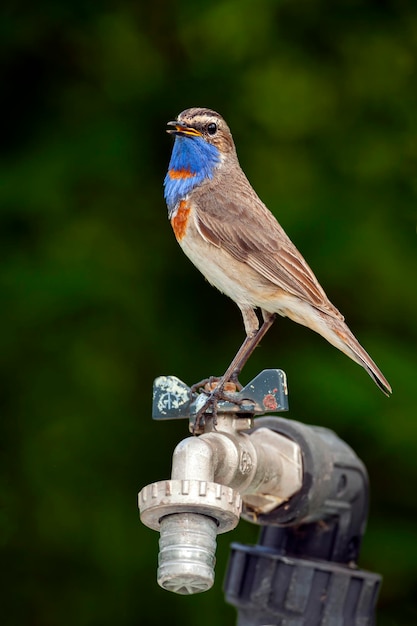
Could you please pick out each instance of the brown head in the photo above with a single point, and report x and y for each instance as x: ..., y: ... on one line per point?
x: 207, y: 124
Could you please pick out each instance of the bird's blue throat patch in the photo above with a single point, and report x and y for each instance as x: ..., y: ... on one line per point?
x: 193, y: 160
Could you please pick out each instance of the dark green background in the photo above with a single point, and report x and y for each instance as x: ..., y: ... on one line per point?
x: 98, y: 299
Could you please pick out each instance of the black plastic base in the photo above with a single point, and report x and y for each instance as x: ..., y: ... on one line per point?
x: 272, y: 589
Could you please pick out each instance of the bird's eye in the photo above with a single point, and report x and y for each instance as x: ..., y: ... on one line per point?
x: 212, y: 128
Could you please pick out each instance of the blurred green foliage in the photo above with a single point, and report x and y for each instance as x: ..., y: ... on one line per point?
x: 98, y: 299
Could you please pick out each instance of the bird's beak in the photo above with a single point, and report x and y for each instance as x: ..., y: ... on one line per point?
x: 182, y: 129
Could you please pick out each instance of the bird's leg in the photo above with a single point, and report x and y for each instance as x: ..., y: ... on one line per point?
x: 254, y: 336
x: 247, y: 347
x: 251, y: 323
x: 243, y: 354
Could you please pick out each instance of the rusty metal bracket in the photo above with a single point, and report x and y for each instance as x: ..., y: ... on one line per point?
x: 266, y: 393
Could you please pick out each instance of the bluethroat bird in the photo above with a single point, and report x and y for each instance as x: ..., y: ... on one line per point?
x: 238, y: 245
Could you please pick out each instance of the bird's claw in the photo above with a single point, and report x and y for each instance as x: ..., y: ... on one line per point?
x: 203, y: 386
x: 222, y: 391
x: 208, y: 385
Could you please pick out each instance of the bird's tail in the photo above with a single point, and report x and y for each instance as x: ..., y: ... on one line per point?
x: 338, y: 334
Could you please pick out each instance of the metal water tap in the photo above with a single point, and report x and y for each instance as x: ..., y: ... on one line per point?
x: 227, y: 471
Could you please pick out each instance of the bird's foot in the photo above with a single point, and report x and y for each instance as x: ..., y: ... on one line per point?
x: 216, y: 390
x: 207, y: 385
x: 204, y: 386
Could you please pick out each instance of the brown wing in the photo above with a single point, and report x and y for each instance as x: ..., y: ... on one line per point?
x: 236, y: 220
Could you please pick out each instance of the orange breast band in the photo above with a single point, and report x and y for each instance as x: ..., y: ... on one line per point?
x: 182, y: 173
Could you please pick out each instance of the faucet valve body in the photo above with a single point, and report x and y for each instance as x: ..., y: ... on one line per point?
x: 215, y: 474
